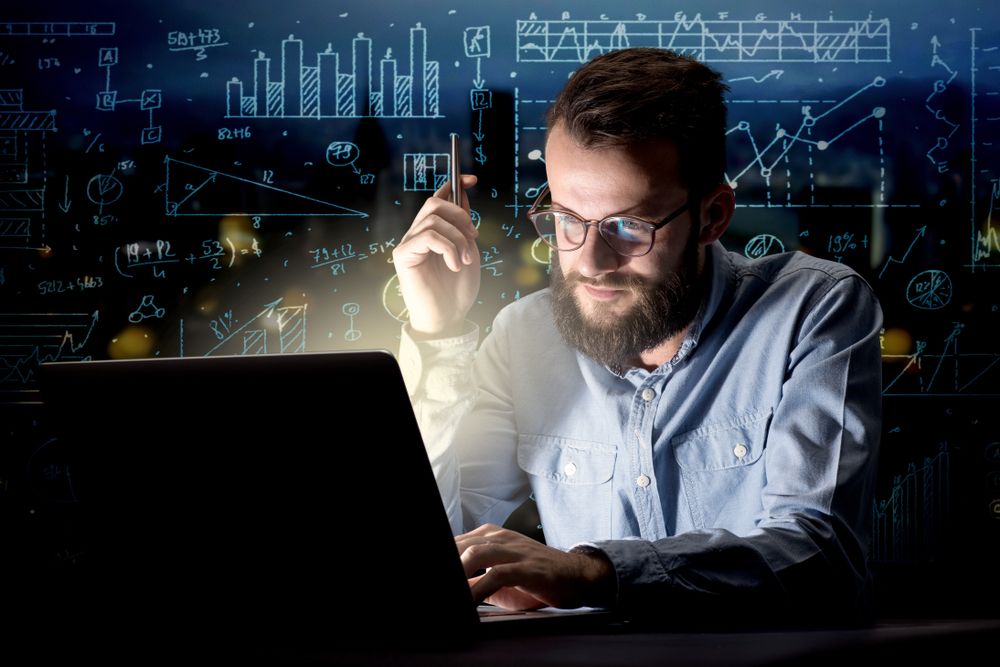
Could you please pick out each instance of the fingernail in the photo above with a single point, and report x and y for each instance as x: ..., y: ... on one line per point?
x: 466, y: 257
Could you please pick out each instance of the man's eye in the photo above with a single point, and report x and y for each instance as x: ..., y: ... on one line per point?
x: 626, y: 227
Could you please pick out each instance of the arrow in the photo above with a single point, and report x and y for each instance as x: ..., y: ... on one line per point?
x: 935, y: 43
x: 478, y: 134
x: 920, y: 233
x: 479, y: 81
x: 776, y: 73
x: 64, y: 207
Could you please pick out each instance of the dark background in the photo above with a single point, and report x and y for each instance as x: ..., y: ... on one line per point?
x: 144, y: 212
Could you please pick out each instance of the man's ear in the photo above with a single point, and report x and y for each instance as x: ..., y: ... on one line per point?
x: 717, y: 209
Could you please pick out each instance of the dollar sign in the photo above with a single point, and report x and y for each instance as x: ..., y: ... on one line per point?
x: 480, y: 158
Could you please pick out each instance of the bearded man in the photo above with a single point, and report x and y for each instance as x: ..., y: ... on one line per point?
x: 699, y: 430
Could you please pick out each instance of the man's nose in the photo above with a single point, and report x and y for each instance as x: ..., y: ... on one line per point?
x: 595, y: 257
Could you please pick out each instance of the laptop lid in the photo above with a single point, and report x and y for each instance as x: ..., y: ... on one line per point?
x: 280, y: 500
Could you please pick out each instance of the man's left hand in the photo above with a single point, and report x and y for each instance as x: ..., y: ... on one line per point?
x: 522, y: 573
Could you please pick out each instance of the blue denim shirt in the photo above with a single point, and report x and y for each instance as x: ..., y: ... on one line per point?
x: 744, y: 465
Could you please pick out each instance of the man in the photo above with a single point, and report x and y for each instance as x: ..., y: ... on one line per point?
x: 699, y: 430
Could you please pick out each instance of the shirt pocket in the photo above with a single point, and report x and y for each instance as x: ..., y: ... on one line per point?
x: 721, y: 470
x: 571, y: 482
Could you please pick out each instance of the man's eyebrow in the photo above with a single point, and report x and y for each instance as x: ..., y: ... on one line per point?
x: 641, y: 209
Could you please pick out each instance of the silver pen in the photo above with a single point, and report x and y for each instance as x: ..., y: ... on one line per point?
x: 456, y: 175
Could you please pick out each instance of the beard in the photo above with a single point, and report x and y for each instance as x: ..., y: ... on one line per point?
x: 661, y: 310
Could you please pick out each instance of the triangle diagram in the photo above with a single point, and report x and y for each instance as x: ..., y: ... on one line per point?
x: 193, y: 190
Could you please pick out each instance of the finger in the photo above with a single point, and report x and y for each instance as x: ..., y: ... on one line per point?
x: 455, y: 215
x: 429, y: 241
x: 467, y: 181
x: 487, y: 529
x: 411, y: 242
x: 484, y: 556
x: 496, y: 578
x: 485, y: 533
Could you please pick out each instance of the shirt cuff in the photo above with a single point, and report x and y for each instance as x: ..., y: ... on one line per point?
x: 437, y: 366
x: 637, y: 565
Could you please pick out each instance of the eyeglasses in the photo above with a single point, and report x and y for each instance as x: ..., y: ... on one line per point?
x: 626, y: 235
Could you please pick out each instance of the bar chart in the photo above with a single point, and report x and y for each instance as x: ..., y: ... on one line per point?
x: 291, y: 88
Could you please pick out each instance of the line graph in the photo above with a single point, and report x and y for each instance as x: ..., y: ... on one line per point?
x: 30, y: 339
x: 789, y: 160
x: 712, y: 41
x: 986, y: 241
x: 984, y: 121
x: 892, y: 260
x: 947, y: 373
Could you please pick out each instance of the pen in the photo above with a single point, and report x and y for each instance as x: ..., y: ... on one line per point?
x: 455, y: 176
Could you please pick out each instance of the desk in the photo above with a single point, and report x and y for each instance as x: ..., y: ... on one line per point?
x: 924, y: 642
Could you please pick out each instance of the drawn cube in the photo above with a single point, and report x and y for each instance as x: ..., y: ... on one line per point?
x: 152, y: 135
x: 107, y: 56
x: 477, y: 41
x: 150, y: 99
x: 480, y: 99
x: 106, y: 100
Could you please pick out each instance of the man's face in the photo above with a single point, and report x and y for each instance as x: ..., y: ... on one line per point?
x: 610, y: 306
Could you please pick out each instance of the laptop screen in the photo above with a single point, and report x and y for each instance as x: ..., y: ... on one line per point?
x: 262, y: 498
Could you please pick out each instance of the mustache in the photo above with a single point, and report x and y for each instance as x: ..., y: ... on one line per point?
x: 610, y: 281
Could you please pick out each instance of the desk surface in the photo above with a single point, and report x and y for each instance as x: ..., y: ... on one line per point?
x: 952, y: 642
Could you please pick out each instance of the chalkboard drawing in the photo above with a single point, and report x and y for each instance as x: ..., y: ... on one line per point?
x: 763, y: 244
x: 58, y: 28
x: 425, y: 172
x: 929, y: 290
x: 191, y: 189
x: 321, y: 90
x: 722, y: 41
x: 908, y: 524
x: 986, y: 243
x: 949, y: 373
x: 257, y: 335
x: 146, y: 310
x: 22, y: 175
x: 892, y: 260
x: 351, y: 309
x: 104, y: 189
x: 345, y: 154
x: 476, y: 40
x: 392, y: 300
x: 30, y: 339
x: 984, y: 100
x: 774, y: 148
x: 940, y: 86
x: 148, y: 100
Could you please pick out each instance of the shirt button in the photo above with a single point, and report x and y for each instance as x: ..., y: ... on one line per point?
x: 642, y: 481
x: 740, y: 450
x: 648, y: 394
x: 570, y: 469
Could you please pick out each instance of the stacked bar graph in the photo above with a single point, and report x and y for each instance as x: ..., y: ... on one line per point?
x: 369, y: 86
x: 909, y: 524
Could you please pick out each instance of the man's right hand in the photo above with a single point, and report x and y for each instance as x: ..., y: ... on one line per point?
x: 437, y: 262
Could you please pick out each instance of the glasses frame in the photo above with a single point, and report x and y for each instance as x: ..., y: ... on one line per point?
x: 587, y: 224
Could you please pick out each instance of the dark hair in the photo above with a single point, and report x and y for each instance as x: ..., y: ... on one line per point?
x: 627, y: 96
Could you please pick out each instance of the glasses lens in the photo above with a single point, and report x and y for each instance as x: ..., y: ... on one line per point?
x: 627, y: 236
x: 559, y: 230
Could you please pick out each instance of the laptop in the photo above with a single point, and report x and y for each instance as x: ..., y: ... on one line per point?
x: 274, y: 500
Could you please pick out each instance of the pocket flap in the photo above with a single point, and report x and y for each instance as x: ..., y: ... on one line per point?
x: 566, y: 460
x: 723, y: 445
